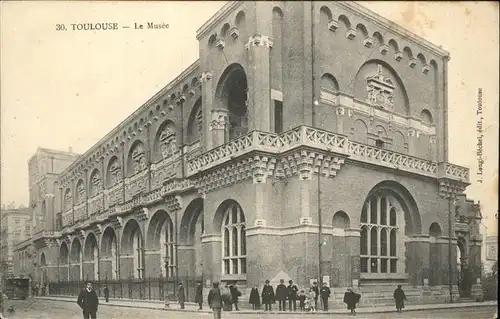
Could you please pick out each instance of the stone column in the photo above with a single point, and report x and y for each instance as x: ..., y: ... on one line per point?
x: 259, y: 94
x: 417, y: 259
x: 212, y: 254
x: 353, y: 262
x: 207, y: 104
x: 219, y: 127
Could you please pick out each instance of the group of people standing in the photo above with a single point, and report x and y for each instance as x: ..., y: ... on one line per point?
x: 307, y: 300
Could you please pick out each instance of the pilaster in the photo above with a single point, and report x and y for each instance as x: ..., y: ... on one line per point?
x: 258, y: 47
x: 207, y: 103
x: 219, y: 126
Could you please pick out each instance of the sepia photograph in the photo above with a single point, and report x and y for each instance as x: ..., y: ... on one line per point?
x: 249, y: 159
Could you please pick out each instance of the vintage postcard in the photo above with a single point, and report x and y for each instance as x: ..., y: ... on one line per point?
x: 232, y: 159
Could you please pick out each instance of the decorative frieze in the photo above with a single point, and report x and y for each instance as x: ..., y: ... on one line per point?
x: 259, y: 40
x: 206, y: 76
x: 380, y: 90
x: 220, y: 119
x: 136, y: 184
x: 174, y: 203
x: 449, y: 189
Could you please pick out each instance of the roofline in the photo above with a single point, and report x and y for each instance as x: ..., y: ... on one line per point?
x: 217, y: 17
x: 394, y: 27
x: 123, y: 123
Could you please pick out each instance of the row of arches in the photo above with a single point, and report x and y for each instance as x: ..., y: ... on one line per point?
x: 138, y: 158
x: 345, y: 24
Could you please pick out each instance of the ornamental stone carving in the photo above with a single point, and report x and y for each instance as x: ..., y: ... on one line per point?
x: 260, y: 41
x: 380, y: 90
x: 115, y: 173
x: 95, y: 184
x: 80, y: 191
x: 168, y: 142
x: 139, y: 159
x: 220, y: 119
x: 206, y: 76
x: 68, y: 199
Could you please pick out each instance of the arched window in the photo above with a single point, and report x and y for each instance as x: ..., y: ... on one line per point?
x: 378, y: 250
x: 233, y: 233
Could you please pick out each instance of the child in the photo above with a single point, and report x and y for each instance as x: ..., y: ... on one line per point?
x: 311, y: 296
x: 302, y: 300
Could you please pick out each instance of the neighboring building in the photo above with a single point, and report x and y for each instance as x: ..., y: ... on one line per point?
x: 15, y: 227
x: 216, y: 176
x: 491, y: 252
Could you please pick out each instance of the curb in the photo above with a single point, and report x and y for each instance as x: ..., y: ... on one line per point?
x: 363, y: 310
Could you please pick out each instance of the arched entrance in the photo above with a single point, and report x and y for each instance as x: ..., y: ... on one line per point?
x: 43, y: 270
x: 132, y: 258
x: 192, y: 228
x: 64, y: 262
x: 388, y: 216
x: 232, y: 92
x: 161, y: 239
x: 109, y: 255
x: 91, y: 258
x: 76, y: 269
x: 341, y: 253
x: 435, y: 258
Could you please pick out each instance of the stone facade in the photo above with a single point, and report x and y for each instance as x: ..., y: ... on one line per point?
x: 224, y: 173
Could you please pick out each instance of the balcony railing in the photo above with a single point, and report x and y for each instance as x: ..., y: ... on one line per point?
x: 135, y: 190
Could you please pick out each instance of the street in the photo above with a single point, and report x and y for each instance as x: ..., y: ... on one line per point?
x: 44, y: 309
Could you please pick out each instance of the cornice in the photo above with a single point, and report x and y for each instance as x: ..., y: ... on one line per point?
x: 393, y: 27
x: 223, y: 12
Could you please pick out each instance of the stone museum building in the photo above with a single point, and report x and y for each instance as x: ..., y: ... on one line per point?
x: 308, y: 142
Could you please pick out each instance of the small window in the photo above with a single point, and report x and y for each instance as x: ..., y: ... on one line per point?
x: 379, y: 143
x: 278, y: 116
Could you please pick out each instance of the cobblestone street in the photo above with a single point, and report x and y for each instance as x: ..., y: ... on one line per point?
x: 45, y: 309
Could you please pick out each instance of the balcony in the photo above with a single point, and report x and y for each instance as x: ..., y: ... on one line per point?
x: 113, y: 195
x: 96, y: 204
x: 67, y: 218
x: 137, y: 184
x: 81, y: 211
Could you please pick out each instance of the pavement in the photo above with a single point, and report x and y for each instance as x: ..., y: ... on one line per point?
x: 191, y: 307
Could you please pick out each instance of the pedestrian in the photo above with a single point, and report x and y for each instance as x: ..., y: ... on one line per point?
x: 215, y: 300
x: 198, y: 298
x: 88, y: 301
x: 281, y: 295
x: 292, y: 291
x: 254, y: 298
x: 106, y: 293
x: 399, y: 297
x: 227, y: 298
x: 302, y: 300
x: 311, y: 300
x: 316, y: 292
x: 325, y: 294
x: 235, y: 294
x: 181, y: 296
x: 351, y: 299
x: 268, y: 295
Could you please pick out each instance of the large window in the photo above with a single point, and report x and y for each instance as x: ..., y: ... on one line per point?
x: 379, y: 236
x: 234, y: 242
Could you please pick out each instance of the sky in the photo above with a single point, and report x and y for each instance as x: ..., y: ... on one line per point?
x: 62, y: 89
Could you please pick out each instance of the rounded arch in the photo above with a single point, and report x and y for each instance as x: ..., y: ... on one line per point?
x: 90, y: 247
x: 277, y: 12
x: 405, y: 200
x: 326, y: 12
x: 362, y: 30
x: 422, y: 59
x: 231, y: 92
x: 43, y: 260
x: 95, y: 185
x: 79, y: 191
x: 221, y: 211
x: 341, y: 220
x: 426, y: 117
x: 165, y: 143
x: 378, y: 37
x: 224, y: 30
x: 159, y: 222
x: 434, y: 65
x: 359, y: 131
x: 380, y: 131
x: 240, y: 19
x: 329, y: 82
x: 435, y: 230
x: 64, y: 254
x: 345, y: 21
x: 113, y: 172
x: 131, y: 231
x: 381, y: 69
x: 192, y: 213
x: 195, y: 122
x: 136, y: 160
x: 393, y: 45
x: 407, y: 53
x: 212, y: 39
x: 108, y: 242
x: 76, y: 251
x: 399, y: 142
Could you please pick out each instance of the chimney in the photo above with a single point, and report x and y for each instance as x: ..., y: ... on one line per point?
x: 70, y: 149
